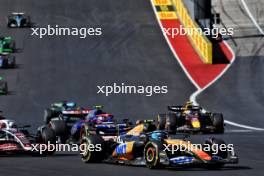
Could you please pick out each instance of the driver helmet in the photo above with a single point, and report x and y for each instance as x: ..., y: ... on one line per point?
x: 188, y: 104
x: 100, y: 118
x: 158, y: 135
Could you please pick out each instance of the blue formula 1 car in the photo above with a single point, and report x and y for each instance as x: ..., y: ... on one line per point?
x: 70, y: 125
x: 18, y: 20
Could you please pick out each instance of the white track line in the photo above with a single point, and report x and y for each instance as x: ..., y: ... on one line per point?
x: 238, y: 131
x: 200, y: 90
x: 243, y: 126
x: 252, y: 17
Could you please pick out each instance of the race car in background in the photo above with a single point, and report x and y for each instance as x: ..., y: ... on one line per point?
x: 7, y: 60
x: 70, y: 122
x: 18, y: 20
x: 18, y: 140
x: 57, y: 108
x: 145, y: 146
x: 190, y: 118
x: 7, y: 45
x: 3, y: 87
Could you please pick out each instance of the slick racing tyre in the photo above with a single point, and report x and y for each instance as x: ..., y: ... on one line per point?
x: 151, y: 155
x: 12, y: 46
x: 218, y: 123
x: 3, y: 87
x: 171, y: 123
x: 93, y: 154
x: 46, y: 136
x: 213, y: 151
x: 11, y: 24
x: 12, y: 62
x: 47, y: 116
x: 84, y: 131
x: 161, y: 122
x: 59, y: 126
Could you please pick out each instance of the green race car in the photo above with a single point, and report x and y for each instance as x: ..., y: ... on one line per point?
x: 7, y: 45
x: 3, y: 87
x: 56, y: 109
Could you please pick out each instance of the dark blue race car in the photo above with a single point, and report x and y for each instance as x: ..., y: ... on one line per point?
x: 18, y: 20
x: 71, y: 125
x: 7, y: 60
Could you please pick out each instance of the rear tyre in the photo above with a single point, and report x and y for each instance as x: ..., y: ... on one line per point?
x: 12, y: 62
x: 84, y: 131
x: 161, y: 122
x: 218, y: 123
x: 47, y: 116
x: 12, y: 46
x: 47, y: 136
x: 97, y: 154
x: 171, y: 123
x: 59, y: 126
x: 3, y: 87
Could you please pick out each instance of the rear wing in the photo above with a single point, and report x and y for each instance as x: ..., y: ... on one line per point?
x: 18, y: 13
x: 176, y: 108
x: 182, y: 108
x: 76, y: 112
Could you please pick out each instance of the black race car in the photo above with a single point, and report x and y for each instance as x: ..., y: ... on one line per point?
x: 145, y: 146
x: 57, y: 108
x: 7, y: 60
x: 190, y: 118
x: 18, y: 20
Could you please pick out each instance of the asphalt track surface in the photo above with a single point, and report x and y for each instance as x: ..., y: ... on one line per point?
x: 132, y: 50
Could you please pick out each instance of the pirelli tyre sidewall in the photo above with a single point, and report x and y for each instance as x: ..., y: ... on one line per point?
x: 84, y: 131
x: 151, y: 154
x: 92, y: 156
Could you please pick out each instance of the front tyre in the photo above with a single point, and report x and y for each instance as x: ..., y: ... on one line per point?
x: 214, y: 150
x: 151, y: 154
x: 92, y: 149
